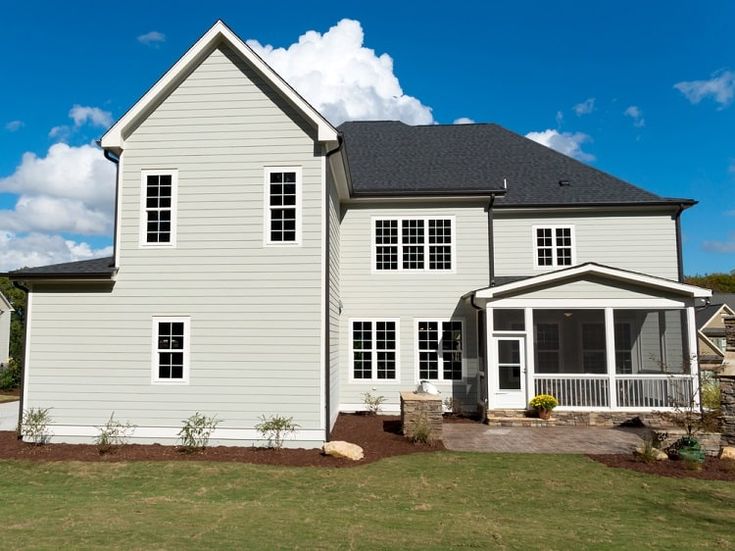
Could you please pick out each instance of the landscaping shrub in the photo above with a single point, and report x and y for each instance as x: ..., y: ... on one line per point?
x: 420, y: 430
x: 372, y: 402
x: 688, y: 449
x: 35, y: 425
x: 10, y: 375
x: 113, y: 433
x: 647, y: 452
x: 197, y: 429
x: 453, y: 405
x: 710, y: 392
x: 275, y: 429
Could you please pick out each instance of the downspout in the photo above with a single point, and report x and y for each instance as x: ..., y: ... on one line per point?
x: 491, y: 241
x: 327, y: 343
x: 679, y: 254
x: 26, y: 321
x: 114, y: 159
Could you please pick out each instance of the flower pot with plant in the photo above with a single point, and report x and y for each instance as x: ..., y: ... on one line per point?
x: 543, y: 404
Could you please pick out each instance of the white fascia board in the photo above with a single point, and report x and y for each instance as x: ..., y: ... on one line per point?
x: 114, y: 138
x: 6, y: 306
x: 717, y: 313
x: 604, y: 271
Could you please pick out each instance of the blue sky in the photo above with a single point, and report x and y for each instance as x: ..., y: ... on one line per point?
x: 525, y: 65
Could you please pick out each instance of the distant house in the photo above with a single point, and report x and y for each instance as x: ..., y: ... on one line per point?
x: 711, y: 329
x: 6, y: 309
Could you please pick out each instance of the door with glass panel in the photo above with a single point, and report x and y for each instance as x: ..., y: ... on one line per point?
x: 510, y: 375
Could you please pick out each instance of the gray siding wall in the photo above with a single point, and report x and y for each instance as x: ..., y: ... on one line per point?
x: 256, y: 312
x: 334, y: 299
x: 642, y: 242
x: 5, y: 318
x: 410, y: 296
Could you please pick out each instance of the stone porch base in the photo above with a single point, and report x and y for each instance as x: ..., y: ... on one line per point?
x: 522, y: 418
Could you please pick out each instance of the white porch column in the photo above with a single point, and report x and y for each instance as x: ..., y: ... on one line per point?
x: 530, y: 355
x: 490, y: 366
x: 692, y: 350
x: 610, y: 356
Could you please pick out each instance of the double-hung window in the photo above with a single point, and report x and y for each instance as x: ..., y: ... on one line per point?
x: 158, y: 216
x: 440, y: 349
x: 554, y: 246
x: 170, y: 349
x: 282, y: 206
x: 548, y: 346
x: 374, y: 350
x: 413, y: 244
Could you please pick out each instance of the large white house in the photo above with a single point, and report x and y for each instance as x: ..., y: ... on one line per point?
x: 266, y: 262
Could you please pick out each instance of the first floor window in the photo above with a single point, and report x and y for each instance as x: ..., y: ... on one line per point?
x: 547, y: 347
x: 374, y: 350
x: 623, y: 347
x: 593, y: 348
x: 159, y: 208
x: 170, y: 349
x: 440, y: 350
x: 554, y: 246
x: 282, y: 200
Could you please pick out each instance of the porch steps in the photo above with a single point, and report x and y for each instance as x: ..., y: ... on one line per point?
x: 521, y: 418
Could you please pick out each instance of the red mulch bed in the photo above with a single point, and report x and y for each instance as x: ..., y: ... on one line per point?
x: 379, y: 437
x: 712, y: 469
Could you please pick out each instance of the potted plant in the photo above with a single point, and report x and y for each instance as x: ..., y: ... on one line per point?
x: 544, y: 405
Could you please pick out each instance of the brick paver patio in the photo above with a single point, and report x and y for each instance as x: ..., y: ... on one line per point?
x: 476, y: 437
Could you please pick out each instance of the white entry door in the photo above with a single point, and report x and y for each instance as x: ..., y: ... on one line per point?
x: 510, y: 373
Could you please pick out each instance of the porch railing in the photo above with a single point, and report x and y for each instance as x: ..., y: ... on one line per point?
x: 631, y: 391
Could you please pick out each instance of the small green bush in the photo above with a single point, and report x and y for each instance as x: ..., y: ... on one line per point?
x: 10, y: 375
x: 35, y: 425
x: 197, y: 429
x: 710, y: 393
x: 372, y: 402
x: 112, y: 434
x: 275, y: 429
x: 420, y: 430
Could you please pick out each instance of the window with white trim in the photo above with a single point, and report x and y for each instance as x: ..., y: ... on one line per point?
x: 283, y: 203
x: 374, y: 350
x: 554, y: 246
x: 159, y: 208
x: 440, y: 350
x: 170, y: 349
x: 413, y: 244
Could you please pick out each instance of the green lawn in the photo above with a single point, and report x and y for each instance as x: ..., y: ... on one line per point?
x: 423, y: 501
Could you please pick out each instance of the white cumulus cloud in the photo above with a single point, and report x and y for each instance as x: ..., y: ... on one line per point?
x: 153, y: 38
x: 84, y: 114
x: 464, y: 120
x: 37, y: 249
x: 568, y: 143
x: 720, y: 87
x: 343, y: 79
x: 635, y: 113
x: 722, y: 247
x: 584, y: 108
x: 14, y: 126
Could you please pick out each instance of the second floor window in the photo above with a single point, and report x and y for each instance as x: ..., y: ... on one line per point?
x: 413, y: 244
x: 554, y: 246
x: 282, y: 216
x: 159, y: 208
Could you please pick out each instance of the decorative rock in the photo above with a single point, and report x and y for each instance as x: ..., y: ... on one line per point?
x: 728, y: 453
x: 658, y: 455
x: 345, y: 450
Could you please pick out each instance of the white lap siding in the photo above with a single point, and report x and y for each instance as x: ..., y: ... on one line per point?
x: 409, y: 296
x: 256, y: 312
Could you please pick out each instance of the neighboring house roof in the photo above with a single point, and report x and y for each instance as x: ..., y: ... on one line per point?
x: 219, y: 33
x: 723, y: 298
x: 84, y: 269
x: 393, y: 158
x: 704, y: 314
x: 594, y: 269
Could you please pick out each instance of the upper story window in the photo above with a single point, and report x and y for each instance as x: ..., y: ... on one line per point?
x: 554, y: 246
x: 170, y: 349
x: 374, y: 350
x: 158, y: 216
x: 283, y: 205
x: 414, y: 244
x: 440, y: 349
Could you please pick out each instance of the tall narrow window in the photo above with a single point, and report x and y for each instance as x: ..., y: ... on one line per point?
x: 413, y: 244
x: 158, y: 226
x: 283, y: 219
x: 170, y: 349
x: 440, y: 350
x: 554, y: 246
x: 374, y: 350
x: 593, y: 348
x: 547, y: 347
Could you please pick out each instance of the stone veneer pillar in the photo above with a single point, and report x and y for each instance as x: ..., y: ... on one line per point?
x: 727, y: 384
x: 414, y: 406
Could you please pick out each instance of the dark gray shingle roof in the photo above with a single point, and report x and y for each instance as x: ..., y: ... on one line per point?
x: 393, y: 158
x: 702, y: 315
x: 723, y: 298
x: 84, y: 268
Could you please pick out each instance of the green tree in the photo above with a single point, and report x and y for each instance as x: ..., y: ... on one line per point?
x: 718, y: 282
x: 11, y: 377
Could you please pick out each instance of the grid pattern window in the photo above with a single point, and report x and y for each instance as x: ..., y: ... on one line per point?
x: 547, y: 347
x: 594, y: 359
x: 414, y: 244
x: 554, y: 246
x: 283, y: 205
x: 159, y: 208
x: 440, y: 350
x: 170, y: 349
x: 374, y: 350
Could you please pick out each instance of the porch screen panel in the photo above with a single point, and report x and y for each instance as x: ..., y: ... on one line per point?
x: 547, y: 347
x: 651, y: 342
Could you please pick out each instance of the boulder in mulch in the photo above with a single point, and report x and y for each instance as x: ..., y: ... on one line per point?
x: 345, y: 450
x: 728, y: 453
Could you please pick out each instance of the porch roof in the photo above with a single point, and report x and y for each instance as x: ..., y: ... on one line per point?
x: 592, y: 269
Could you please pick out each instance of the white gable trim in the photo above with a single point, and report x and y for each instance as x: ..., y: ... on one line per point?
x: 712, y: 345
x: 5, y: 305
x: 717, y: 313
x: 114, y: 138
x: 598, y: 270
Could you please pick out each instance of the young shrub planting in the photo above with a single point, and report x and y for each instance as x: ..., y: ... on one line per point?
x: 112, y: 434
x: 421, y: 430
x: 35, y: 425
x: 275, y: 429
x: 10, y: 375
x: 197, y: 429
x: 452, y: 405
x: 373, y: 402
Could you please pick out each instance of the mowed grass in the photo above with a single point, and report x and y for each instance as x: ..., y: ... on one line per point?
x: 422, y: 501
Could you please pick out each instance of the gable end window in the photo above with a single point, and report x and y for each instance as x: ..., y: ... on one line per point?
x: 374, y: 355
x: 283, y: 205
x: 170, y: 361
x: 158, y: 216
x: 440, y: 349
x: 413, y: 244
x: 553, y: 246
